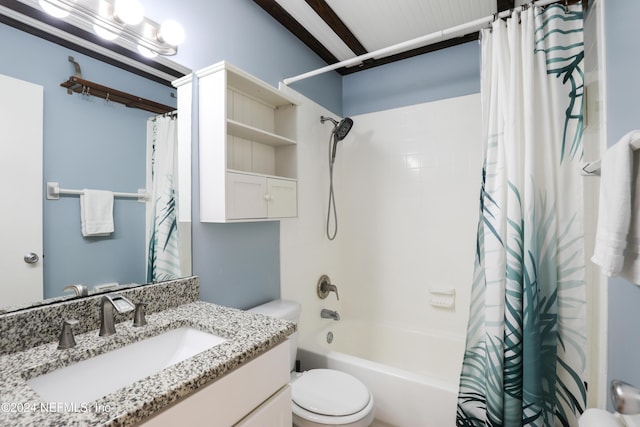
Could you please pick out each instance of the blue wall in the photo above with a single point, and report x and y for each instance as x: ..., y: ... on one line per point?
x: 240, y: 32
x: 239, y: 264
x: 437, y: 75
x: 87, y: 144
x: 623, y: 114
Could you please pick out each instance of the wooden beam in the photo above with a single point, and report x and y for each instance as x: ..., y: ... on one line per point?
x: 411, y: 53
x: 337, y: 25
x: 283, y: 17
x: 505, y: 4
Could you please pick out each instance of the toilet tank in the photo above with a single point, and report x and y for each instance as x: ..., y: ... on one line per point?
x: 285, y: 310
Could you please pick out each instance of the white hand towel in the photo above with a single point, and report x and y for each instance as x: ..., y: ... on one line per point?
x: 96, y: 212
x: 617, y: 245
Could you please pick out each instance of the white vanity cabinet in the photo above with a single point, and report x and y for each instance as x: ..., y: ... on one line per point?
x: 247, y: 154
x: 256, y: 394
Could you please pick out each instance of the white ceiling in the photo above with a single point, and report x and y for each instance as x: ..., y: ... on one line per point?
x: 381, y: 23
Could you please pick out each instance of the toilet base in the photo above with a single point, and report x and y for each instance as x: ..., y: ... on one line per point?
x: 365, y: 422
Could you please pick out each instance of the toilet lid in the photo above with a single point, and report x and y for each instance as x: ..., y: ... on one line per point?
x: 329, y: 392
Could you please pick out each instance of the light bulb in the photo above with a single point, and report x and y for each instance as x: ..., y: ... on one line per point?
x: 105, y: 34
x: 52, y: 10
x: 147, y: 53
x: 129, y: 11
x: 171, y: 32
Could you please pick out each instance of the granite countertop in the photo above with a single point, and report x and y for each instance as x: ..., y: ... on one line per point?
x: 248, y: 335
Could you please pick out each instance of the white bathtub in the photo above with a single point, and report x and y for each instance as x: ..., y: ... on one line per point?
x: 413, y: 376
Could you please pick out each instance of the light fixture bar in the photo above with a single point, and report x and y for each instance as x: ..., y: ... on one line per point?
x: 161, y: 68
x: 86, y: 14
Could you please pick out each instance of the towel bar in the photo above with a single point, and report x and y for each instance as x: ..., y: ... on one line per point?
x: 54, y: 191
x: 591, y: 168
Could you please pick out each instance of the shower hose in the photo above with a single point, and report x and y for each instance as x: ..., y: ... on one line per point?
x: 332, y: 198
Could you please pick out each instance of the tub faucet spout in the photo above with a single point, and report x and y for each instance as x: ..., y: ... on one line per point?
x: 329, y: 314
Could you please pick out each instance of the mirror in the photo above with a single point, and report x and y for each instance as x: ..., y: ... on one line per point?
x: 87, y: 143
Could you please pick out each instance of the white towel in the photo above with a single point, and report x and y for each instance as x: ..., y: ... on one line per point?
x: 96, y: 212
x: 617, y: 246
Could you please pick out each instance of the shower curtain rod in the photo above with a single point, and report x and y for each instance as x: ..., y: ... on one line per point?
x: 438, y: 36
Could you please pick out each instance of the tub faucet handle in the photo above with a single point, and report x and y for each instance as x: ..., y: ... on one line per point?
x: 67, y: 339
x: 325, y: 286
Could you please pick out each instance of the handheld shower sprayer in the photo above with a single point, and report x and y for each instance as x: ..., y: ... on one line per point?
x: 340, y: 130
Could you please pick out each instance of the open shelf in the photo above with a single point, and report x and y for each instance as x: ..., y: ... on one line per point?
x: 251, y: 133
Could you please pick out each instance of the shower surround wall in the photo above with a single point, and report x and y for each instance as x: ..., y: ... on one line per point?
x: 407, y: 182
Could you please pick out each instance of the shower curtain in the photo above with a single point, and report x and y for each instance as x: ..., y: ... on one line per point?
x: 525, y: 357
x: 163, y: 254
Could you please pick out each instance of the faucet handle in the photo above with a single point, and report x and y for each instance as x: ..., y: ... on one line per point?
x: 139, y: 318
x: 67, y: 339
x: 325, y: 286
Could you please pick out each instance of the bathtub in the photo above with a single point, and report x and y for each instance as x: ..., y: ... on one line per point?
x: 413, y: 376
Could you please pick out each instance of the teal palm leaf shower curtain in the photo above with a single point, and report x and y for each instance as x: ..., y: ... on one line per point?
x: 525, y: 357
x: 163, y: 249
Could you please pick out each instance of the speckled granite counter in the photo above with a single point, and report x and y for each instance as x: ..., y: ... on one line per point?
x: 248, y: 335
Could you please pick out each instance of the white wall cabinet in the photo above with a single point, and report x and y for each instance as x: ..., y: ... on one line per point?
x: 251, y: 196
x: 256, y: 394
x: 247, y: 154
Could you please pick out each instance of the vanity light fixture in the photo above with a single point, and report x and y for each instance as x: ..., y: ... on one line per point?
x: 119, y: 19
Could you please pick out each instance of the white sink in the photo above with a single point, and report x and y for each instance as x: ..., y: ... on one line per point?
x: 100, y: 375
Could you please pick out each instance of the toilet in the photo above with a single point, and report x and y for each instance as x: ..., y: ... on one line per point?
x: 321, y: 397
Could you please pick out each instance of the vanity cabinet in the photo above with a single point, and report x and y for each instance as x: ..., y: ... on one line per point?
x: 247, y: 150
x: 255, y: 394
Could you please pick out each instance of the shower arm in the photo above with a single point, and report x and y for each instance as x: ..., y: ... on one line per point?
x: 329, y: 119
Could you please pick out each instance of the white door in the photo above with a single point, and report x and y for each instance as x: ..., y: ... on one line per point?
x: 21, y: 122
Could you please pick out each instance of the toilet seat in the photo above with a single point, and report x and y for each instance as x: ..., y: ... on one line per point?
x: 330, y: 397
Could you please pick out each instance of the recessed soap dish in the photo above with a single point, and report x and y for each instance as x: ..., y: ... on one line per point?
x: 443, y: 298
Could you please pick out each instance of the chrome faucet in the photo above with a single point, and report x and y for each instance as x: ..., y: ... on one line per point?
x: 625, y: 398
x: 78, y: 290
x: 329, y: 314
x: 108, y: 304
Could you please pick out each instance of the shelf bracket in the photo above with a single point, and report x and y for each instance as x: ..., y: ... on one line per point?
x: 78, y: 74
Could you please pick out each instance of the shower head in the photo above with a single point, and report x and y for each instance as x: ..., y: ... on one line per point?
x: 341, y: 128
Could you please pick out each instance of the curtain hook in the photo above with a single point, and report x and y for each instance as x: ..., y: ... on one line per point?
x: 106, y: 99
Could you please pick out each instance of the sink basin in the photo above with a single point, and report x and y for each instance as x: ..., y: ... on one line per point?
x: 100, y: 375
